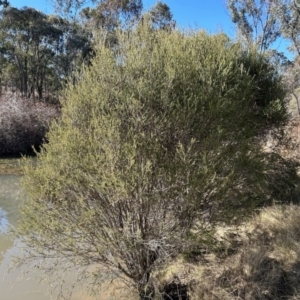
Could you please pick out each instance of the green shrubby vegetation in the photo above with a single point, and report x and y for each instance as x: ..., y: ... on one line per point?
x: 158, y: 140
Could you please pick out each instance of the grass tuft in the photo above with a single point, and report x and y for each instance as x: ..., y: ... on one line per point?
x: 264, y: 266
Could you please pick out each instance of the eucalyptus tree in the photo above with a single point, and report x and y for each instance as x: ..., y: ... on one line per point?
x: 288, y: 14
x: 110, y: 8
x: 261, y: 22
x: 161, y: 16
x: 256, y: 21
x: 44, y: 49
x: 28, y: 40
x: 110, y: 14
x: 73, y: 49
x: 5, y: 3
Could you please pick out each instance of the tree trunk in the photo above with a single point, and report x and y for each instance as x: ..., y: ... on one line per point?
x: 25, y: 78
x: 40, y: 91
x: 40, y: 83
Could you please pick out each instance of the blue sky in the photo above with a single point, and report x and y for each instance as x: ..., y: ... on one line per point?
x: 208, y: 14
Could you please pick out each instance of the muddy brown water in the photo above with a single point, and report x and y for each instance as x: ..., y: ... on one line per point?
x: 12, y: 287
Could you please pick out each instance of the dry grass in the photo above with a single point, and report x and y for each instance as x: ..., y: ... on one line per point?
x: 290, y: 149
x: 23, y: 123
x: 260, y: 261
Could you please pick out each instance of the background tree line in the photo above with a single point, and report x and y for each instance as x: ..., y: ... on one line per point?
x: 38, y: 52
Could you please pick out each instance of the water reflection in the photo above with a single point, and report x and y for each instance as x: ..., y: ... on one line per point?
x: 11, y: 287
x: 10, y: 193
x: 3, y: 222
x: 10, y: 197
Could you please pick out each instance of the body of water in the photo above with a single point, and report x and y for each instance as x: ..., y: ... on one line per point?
x: 15, y: 285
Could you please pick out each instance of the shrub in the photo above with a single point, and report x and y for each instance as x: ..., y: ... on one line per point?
x: 23, y: 124
x: 158, y: 132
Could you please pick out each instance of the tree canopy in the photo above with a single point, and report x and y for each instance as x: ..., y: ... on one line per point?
x: 262, y: 22
x: 5, y: 3
x: 256, y: 21
x: 39, y: 51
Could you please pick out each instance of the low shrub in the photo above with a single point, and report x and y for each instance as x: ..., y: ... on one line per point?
x: 23, y: 124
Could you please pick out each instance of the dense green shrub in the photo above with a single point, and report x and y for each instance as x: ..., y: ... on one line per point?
x: 159, y: 135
